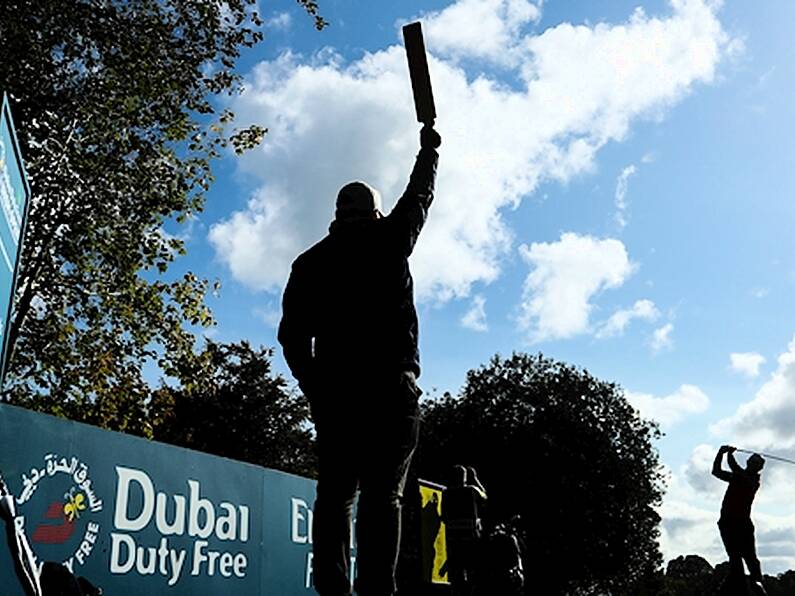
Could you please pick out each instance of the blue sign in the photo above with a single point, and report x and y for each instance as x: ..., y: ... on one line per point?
x: 140, y: 517
x: 14, y: 198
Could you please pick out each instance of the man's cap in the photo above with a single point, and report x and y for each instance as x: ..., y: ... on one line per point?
x: 358, y: 199
x: 758, y: 461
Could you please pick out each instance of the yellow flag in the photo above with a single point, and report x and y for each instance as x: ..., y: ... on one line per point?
x: 433, y: 550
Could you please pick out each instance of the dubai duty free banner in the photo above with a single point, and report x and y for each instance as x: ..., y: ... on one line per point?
x: 136, y: 516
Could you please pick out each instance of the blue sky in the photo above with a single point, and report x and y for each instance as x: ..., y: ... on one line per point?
x: 615, y: 190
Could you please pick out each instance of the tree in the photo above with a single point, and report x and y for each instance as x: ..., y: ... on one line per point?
x: 235, y: 407
x: 112, y: 101
x: 569, y: 454
x: 692, y: 575
x: 689, y: 575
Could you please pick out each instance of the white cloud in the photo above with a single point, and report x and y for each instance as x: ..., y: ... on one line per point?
x: 281, y: 20
x: 688, y: 524
x: 661, y: 338
x: 622, y: 185
x: 668, y: 410
x: 566, y: 275
x: 746, y: 363
x: 698, y: 472
x: 643, y: 310
x: 475, y: 317
x: 765, y: 422
x: 573, y: 89
x: 270, y: 315
x: 482, y: 29
x: 687, y: 529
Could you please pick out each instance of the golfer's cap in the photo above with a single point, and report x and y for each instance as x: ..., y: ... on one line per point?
x: 358, y: 198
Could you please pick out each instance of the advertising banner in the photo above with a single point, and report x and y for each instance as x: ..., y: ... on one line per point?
x: 14, y: 197
x: 140, y: 517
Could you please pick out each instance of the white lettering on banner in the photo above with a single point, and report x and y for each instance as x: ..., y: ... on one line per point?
x: 198, y: 505
x: 76, y: 509
x: 208, y: 561
x: 243, y: 523
x: 196, y: 513
x: 202, y: 518
x: 116, y: 542
x: 126, y: 555
x: 87, y: 544
x: 178, y: 525
x: 229, y: 522
x: 310, y: 559
x: 177, y: 560
x: 120, y: 520
x: 300, y: 520
x: 309, y: 568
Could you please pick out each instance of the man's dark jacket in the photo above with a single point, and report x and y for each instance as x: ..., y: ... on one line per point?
x: 348, y: 307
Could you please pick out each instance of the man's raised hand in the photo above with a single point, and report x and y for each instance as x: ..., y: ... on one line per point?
x: 429, y: 138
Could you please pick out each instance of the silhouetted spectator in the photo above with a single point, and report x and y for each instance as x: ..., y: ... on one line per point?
x: 22, y: 555
x: 57, y: 580
x: 736, y: 527
x: 349, y: 332
x: 89, y: 589
x: 461, y: 502
x: 503, y: 571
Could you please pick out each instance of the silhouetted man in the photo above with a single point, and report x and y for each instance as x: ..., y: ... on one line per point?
x: 503, y: 571
x: 461, y: 503
x: 349, y: 332
x: 736, y: 527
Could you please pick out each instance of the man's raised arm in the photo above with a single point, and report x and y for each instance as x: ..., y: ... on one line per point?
x: 717, y: 471
x: 733, y: 465
x: 411, y: 210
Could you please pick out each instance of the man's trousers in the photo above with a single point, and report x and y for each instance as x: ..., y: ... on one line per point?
x: 367, y: 431
x: 738, y: 539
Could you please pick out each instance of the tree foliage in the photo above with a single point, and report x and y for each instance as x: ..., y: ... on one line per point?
x: 569, y: 454
x: 113, y: 106
x: 692, y: 575
x: 235, y: 407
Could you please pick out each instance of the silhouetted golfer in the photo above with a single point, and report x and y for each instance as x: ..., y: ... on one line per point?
x: 736, y: 527
x: 461, y: 502
x: 349, y: 332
